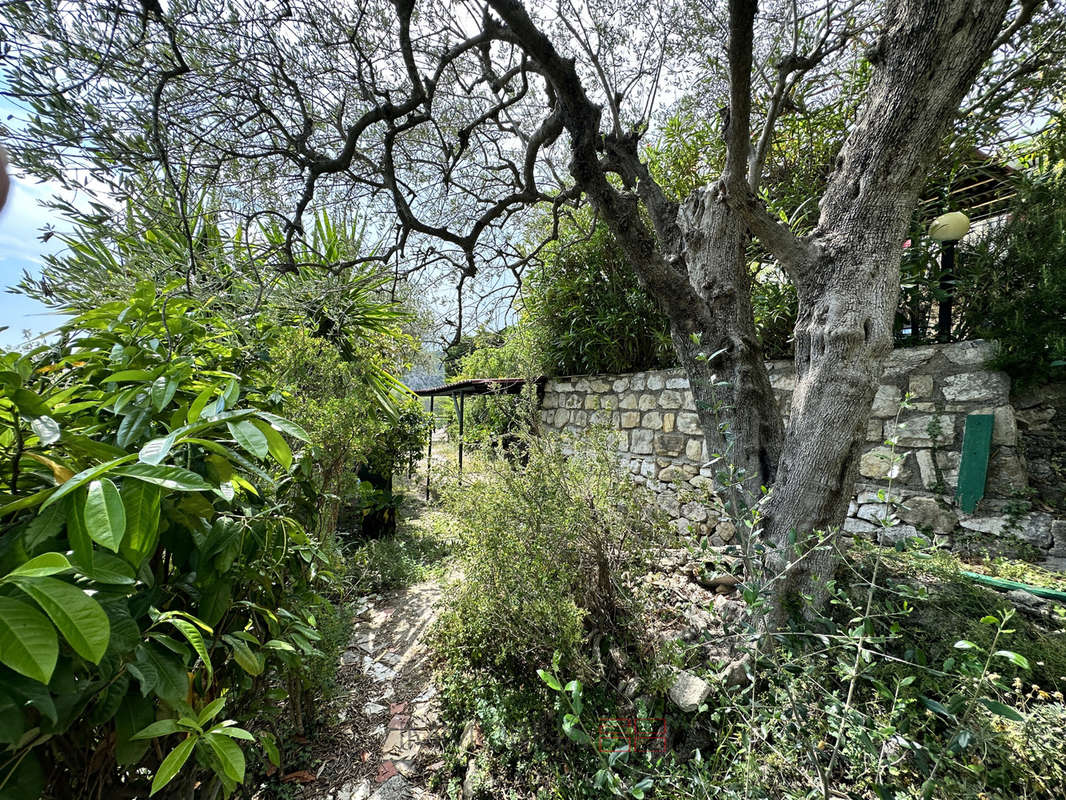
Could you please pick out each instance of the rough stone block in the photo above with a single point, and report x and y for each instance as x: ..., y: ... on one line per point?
x: 669, y: 444
x: 655, y: 381
x: 648, y: 402
x: 860, y: 526
x: 640, y: 441
x: 976, y: 387
x: 696, y: 512
x: 669, y: 421
x: 923, y: 430
x: 1005, y: 427
x: 672, y: 474
x: 629, y: 400
x: 600, y: 385
x: 920, y: 386
x: 688, y: 402
x: 874, y: 431
x: 878, y: 464
x: 638, y: 382
x: 551, y: 400
x: 1058, y: 538
x: 925, y: 513
x: 562, y: 417
x: 688, y: 691
x: 973, y: 353
x: 874, y: 512
x: 630, y: 419
x: 582, y: 385
x: 905, y: 360
x: 689, y: 422
x: 948, y: 464
x: 592, y: 402
x: 620, y: 385
x: 694, y: 449
x: 670, y: 398
x: 886, y: 401
x: 677, y: 383
x: 1006, y: 473
x: 993, y: 524
x: 574, y: 401
x: 652, y: 420
x: 888, y: 537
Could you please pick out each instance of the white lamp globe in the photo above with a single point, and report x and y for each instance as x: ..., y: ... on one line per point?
x: 949, y: 227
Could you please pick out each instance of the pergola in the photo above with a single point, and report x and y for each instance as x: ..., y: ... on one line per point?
x: 458, y: 391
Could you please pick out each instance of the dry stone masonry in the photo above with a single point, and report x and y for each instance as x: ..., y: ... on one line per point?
x: 660, y: 442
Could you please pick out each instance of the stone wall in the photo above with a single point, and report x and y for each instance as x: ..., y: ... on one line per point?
x: 660, y: 442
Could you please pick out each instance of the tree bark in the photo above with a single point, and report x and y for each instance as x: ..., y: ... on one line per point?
x: 727, y: 374
x: 926, y: 61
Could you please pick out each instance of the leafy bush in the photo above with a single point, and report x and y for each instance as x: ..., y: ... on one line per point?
x: 542, y: 549
x: 588, y: 312
x: 153, y: 576
x: 1012, y: 286
x: 351, y: 427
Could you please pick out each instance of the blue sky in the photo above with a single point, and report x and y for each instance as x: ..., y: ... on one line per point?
x: 20, y: 248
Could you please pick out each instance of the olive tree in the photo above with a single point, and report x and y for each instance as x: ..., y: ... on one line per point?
x: 453, y: 120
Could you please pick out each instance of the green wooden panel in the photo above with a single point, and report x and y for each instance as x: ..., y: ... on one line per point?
x: 976, y: 444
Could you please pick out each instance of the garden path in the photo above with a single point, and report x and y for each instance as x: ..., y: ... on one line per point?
x: 388, y: 743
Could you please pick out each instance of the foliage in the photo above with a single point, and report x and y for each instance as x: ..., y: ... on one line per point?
x: 144, y: 515
x: 1011, y: 286
x: 496, y: 418
x: 543, y: 548
x: 588, y: 313
x: 348, y: 427
x: 350, y: 309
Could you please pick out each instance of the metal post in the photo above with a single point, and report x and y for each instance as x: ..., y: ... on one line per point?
x: 429, y: 452
x: 947, y: 290
x: 462, y: 410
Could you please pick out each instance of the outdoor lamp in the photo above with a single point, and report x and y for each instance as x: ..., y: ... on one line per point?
x: 947, y: 229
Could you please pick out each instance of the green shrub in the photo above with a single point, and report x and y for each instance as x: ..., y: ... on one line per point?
x: 1012, y: 283
x: 153, y: 573
x: 588, y: 312
x: 542, y: 549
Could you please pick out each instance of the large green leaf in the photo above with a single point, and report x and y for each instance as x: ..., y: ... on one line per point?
x: 229, y: 753
x: 133, y: 715
x: 41, y: 566
x: 83, y: 477
x: 79, y: 618
x: 172, y: 764
x: 283, y: 425
x: 28, y: 642
x: 106, y: 568
x: 171, y: 680
x: 156, y: 450
x: 162, y: 391
x: 142, y: 521
x: 174, y: 478
x: 77, y: 535
x: 30, y: 403
x: 250, y: 438
x: 104, y: 514
x: 276, y: 444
